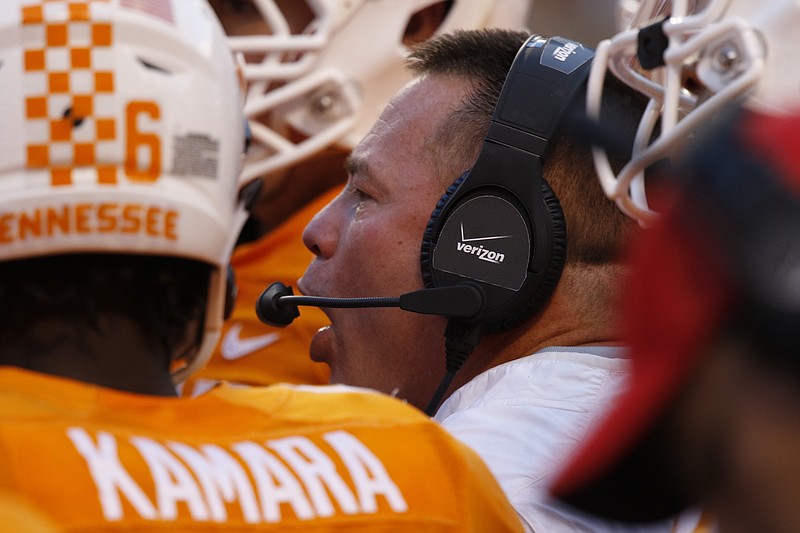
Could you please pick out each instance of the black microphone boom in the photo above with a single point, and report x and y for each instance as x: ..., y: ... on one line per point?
x: 277, y: 305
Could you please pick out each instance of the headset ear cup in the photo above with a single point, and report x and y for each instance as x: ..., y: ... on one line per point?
x: 558, y: 254
x: 426, y: 254
x: 547, y: 283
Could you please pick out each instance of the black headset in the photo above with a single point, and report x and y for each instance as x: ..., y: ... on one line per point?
x: 500, y: 226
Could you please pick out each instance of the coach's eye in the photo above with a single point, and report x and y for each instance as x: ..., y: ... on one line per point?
x: 357, y: 192
x: 362, y: 196
x: 361, y: 201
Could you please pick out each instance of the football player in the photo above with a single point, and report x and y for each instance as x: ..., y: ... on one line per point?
x: 120, y: 202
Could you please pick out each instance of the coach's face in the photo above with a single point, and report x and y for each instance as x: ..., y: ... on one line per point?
x: 366, y: 242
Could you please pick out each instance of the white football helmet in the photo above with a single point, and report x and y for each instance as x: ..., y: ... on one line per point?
x: 327, y: 85
x: 123, y: 133
x: 699, y: 55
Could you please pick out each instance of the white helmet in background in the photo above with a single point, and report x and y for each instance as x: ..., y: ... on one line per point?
x: 326, y: 83
x: 122, y: 133
x: 691, y: 58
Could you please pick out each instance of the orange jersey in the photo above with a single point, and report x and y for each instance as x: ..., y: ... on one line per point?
x: 251, y: 352
x: 240, y: 459
x: 19, y: 516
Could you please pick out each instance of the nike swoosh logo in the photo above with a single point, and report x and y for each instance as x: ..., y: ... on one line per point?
x: 235, y: 347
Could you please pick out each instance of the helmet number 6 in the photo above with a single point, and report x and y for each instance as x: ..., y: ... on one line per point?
x: 142, y: 150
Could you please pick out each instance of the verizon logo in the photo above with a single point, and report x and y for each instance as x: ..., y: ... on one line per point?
x: 484, y: 254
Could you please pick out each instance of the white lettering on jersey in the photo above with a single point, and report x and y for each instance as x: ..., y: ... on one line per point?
x: 222, y: 479
x: 109, y: 475
x: 173, y: 481
x: 290, y: 474
x: 317, y: 471
x: 368, y: 473
x: 275, y: 483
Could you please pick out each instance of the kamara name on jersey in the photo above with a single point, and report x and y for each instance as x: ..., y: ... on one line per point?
x: 289, y: 478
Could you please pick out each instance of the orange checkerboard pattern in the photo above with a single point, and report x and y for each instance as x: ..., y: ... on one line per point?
x: 69, y: 82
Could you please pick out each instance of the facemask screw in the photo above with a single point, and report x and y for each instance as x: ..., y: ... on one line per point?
x: 726, y: 58
x: 324, y: 104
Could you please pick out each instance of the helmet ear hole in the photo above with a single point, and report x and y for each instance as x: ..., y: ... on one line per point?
x: 425, y: 23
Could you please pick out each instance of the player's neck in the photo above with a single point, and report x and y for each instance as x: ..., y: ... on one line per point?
x: 111, y: 353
